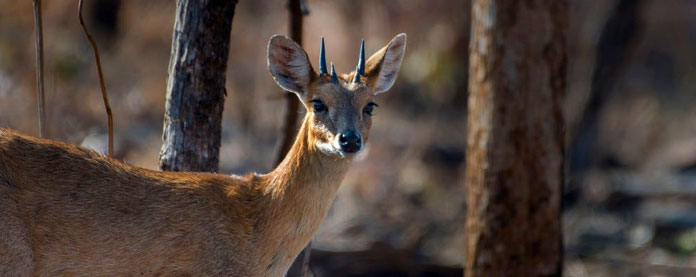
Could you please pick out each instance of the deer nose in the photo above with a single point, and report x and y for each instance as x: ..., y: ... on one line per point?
x: 350, y: 141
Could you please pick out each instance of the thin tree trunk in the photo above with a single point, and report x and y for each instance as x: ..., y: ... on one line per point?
x: 295, y: 16
x: 196, y: 85
x: 293, y: 104
x: 38, y: 26
x: 515, y: 138
x: 616, y: 43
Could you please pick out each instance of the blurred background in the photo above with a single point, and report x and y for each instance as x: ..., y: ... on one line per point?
x: 631, y: 129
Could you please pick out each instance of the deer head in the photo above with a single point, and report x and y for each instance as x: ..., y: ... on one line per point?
x: 339, y: 108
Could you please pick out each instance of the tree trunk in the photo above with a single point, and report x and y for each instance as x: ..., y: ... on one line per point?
x: 196, y: 85
x: 515, y: 148
x: 295, y: 17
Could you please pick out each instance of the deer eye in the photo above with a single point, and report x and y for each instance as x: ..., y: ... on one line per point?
x: 318, y: 106
x: 369, y: 108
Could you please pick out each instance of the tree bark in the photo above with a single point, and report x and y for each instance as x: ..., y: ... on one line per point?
x: 515, y: 140
x: 196, y: 85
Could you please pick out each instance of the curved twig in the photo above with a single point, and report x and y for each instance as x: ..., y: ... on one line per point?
x: 109, y: 116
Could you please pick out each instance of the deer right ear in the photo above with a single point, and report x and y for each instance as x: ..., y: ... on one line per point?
x: 383, y: 66
x: 289, y: 65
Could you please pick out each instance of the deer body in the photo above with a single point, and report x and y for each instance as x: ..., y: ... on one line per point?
x: 165, y: 223
x: 65, y: 210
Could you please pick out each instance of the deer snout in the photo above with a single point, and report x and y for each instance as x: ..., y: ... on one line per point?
x: 350, y: 141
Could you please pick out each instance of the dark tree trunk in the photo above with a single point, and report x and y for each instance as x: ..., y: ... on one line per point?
x: 515, y: 148
x: 196, y: 85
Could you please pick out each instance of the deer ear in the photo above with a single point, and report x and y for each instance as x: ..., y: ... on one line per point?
x: 382, y: 68
x: 289, y: 65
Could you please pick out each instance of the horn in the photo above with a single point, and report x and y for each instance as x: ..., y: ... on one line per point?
x: 334, y: 78
x: 322, y: 59
x: 360, y: 70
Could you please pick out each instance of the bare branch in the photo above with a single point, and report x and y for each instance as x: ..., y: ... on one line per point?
x: 38, y: 27
x: 101, y: 83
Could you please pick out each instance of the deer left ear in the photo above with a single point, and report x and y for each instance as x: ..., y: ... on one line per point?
x: 382, y: 67
x: 289, y: 65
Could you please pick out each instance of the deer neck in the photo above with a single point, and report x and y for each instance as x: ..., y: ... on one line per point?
x: 297, y: 196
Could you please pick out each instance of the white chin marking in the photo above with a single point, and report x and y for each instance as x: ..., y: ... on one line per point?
x: 329, y: 149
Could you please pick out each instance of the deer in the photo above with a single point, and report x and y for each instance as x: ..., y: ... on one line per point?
x: 65, y: 210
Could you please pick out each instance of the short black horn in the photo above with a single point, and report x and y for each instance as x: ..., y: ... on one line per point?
x: 322, y: 59
x: 360, y: 70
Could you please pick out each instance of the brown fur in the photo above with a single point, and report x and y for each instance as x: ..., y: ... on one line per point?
x: 65, y: 210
